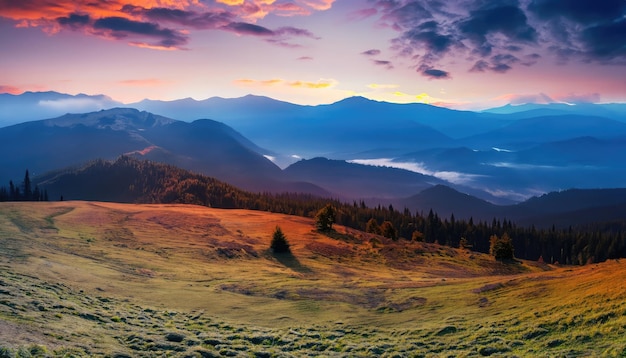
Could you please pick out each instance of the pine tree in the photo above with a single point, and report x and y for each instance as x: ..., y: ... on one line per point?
x: 501, y: 248
x: 325, y: 218
x: 388, y: 230
x: 372, y: 227
x: 28, y: 190
x: 279, y: 242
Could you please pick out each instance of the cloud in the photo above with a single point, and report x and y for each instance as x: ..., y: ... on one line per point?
x: 74, y: 20
x: 586, y: 12
x: 497, y: 36
x: 313, y: 85
x: 304, y: 58
x: 243, y: 28
x: 499, y: 63
x: 381, y: 86
x: 77, y: 105
x: 271, y: 82
x: 319, y: 4
x: 161, y: 24
x: 450, y: 176
x: 372, y: 52
x: 208, y: 19
x: 480, y: 66
x: 387, y: 64
x: 507, y: 20
x: 588, y: 29
x: 294, y: 31
x: 434, y: 73
x: 321, y: 84
x: 517, y: 99
x: 574, y: 98
x: 121, y: 28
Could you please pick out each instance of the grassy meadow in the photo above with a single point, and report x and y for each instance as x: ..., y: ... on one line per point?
x: 123, y: 280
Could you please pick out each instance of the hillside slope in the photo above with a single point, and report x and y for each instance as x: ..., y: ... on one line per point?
x: 106, y: 279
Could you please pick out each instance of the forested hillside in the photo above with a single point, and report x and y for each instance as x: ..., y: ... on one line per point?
x: 133, y: 181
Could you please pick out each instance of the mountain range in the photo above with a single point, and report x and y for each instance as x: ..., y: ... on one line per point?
x: 503, y: 155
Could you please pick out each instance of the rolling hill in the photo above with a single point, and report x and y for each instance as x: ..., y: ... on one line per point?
x: 108, y: 279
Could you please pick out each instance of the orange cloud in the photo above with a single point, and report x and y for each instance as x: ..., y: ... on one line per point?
x: 158, y: 24
x: 245, y: 82
x: 231, y: 2
x: 324, y: 83
x: 313, y: 85
x: 319, y: 4
x: 381, y: 86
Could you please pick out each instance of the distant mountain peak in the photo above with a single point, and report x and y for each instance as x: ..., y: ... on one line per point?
x: 356, y: 100
x: 119, y: 118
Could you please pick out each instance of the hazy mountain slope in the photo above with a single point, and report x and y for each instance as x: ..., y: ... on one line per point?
x: 30, y: 106
x: 570, y: 200
x: 339, y: 130
x: 616, y: 111
x: 567, y: 208
x: 243, y: 112
x: 445, y: 201
x: 525, y: 133
x: 355, y: 181
x: 203, y: 146
x: 41, y: 146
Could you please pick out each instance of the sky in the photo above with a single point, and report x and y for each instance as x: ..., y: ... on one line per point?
x: 466, y: 54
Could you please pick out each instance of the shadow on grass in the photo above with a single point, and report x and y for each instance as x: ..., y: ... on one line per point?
x: 287, y: 259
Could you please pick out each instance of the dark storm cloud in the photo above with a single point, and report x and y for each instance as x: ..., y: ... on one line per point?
x: 589, y: 29
x: 120, y: 27
x: 498, y: 36
x: 501, y: 63
x: 436, y: 74
x: 606, y: 41
x: 432, y: 32
x: 244, y: 28
x: 219, y: 19
x: 74, y: 20
x: 428, y: 36
x: 205, y: 20
x: 507, y: 20
x: 581, y: 11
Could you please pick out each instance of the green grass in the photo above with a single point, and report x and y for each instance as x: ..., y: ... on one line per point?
x: 165, y: 280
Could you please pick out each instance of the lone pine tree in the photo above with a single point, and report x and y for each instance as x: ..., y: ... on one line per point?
x: 279, y: 242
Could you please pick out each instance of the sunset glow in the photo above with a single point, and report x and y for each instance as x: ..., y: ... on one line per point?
x: 473, y: 56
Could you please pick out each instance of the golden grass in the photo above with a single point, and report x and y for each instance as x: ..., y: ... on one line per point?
x: 203, y: 271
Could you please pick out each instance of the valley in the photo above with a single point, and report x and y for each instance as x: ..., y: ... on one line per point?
x: 109, y: 279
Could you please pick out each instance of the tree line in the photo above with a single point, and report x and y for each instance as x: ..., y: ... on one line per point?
x: 131, y: 180
x: 23, y: 192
